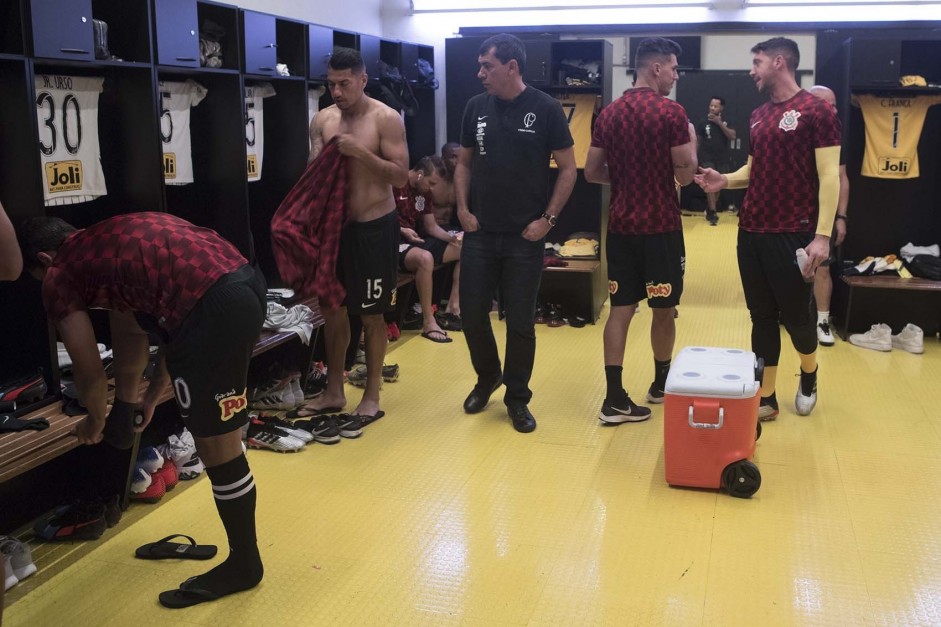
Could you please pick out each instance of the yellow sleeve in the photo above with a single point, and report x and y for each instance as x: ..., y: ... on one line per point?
x: 828, y: 171
x: 739, y: 178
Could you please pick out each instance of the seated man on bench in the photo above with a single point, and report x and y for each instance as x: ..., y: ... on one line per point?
x: 439, y: 246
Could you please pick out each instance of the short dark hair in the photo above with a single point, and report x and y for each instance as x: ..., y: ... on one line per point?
x: 655, y: 47
x: 347, y: 59
x: 432, y: 163
x: 454, y: 146
x: 505, y: 48
x: 719, y: 98
x: 40, y: 234
x: 783, y: 46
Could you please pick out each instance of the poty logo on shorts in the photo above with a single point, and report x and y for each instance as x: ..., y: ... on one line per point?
x: 395, y: 297
x: 612, y: 287
x: 789, y: 120
x: 231, y: 404
x: 660, y: 290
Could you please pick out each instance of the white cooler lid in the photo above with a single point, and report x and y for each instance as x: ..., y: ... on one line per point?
x: 713, y: 372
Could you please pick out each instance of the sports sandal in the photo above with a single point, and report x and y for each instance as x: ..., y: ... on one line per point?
x: 164, y: 549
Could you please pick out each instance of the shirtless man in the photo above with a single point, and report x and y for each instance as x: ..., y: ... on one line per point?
x: 443, y: 194
x: 372, y: 137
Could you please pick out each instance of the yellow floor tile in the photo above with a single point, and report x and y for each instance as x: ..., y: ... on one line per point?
x: 435, y: 518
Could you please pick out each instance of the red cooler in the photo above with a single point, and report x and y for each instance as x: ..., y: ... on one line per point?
x: 710, y: 420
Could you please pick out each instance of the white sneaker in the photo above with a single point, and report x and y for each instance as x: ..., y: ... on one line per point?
x: 9, y: 578
x: 805, y: 403
x: 21, y: 559
x: 297, y: 389
x: 181, y: 450
x: 824, y: 335
x: 276, y: 395
x: 878, y: 338
x: 911, y: 339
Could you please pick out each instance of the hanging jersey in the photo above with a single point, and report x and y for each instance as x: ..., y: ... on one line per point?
x: 893, y: 127
x: 579, y: 110
x: 255, y: 127
x: 175, y: 102
x: 67, y: 108
x: 313, y: 106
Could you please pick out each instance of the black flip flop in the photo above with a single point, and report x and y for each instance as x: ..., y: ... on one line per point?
x: 323, y: 411
x: 186, y: 597
x: 438, y: 337
x: 166, y: 550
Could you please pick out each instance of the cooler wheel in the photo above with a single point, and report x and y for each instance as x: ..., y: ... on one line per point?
x: 741, y: 479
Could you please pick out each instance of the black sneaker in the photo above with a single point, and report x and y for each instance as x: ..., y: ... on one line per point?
x: 523, y: 419
x: 654, y: 394
x: 349, y: 426
x: 323, y: 428
x: 78, y: 521
x: 624, y: 411
x: 712, y: 217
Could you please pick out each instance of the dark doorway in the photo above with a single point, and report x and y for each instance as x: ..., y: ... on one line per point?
x: 694, y: 90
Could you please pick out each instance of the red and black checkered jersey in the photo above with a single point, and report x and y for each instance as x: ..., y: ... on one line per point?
x: 637, y: 132
x: 783, y: 187
x: 152, y: 263
x: 411, y: 206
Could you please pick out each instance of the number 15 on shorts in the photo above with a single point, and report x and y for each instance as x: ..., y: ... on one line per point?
x: 373, y: 290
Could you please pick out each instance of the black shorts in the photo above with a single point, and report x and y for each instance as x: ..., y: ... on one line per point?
x: 367, y: 264
x: 436, y: 247
x: 646, y: 266
x: 208, y: 356
x: 433, y: 245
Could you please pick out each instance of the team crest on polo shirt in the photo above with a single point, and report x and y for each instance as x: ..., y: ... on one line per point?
x: 528, y: 120
x: 789, y: 120
x: 419, y: 204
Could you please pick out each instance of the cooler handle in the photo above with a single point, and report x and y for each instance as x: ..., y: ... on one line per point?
x: 706, y: 425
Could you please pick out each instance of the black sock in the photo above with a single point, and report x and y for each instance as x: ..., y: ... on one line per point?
x: 233, y: 488
x: 770, y: 400
x: 612, y: 375
x: 661, y: 370
x: 809, y: 382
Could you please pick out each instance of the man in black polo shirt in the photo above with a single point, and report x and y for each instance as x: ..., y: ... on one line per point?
x: 501, y: 187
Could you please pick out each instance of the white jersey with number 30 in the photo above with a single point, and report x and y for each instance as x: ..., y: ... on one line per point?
x: 67, y: 108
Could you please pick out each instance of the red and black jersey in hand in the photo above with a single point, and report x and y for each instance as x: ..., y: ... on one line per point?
x: 783, y: 187
x: 637, y: 132
x: 152, y: 263
x: 411, y: 206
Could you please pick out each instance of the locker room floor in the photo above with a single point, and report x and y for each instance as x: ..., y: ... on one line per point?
x: 434, y: 517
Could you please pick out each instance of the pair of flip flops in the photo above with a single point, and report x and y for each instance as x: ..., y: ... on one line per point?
x: 303, y: 412
x: 449, y: 321
x: 186, y: 595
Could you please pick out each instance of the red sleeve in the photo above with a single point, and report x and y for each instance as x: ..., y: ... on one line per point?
x: 597, y: 133
x: 828, y: 130
x: 678, y: 126
x: 59, y: 295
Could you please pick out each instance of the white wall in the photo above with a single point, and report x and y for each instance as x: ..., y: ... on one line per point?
x: 361, y: 16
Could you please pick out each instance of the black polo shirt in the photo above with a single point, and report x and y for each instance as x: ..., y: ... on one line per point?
x: 512, y: 142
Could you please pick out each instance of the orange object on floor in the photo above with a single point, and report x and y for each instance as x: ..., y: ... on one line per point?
x: 710, y: 420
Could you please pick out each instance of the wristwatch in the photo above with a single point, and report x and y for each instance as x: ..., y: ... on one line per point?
x: 841, y: 217
x: 551, y: 219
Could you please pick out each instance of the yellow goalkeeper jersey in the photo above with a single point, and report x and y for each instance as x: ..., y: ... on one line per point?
x: 893, y: 127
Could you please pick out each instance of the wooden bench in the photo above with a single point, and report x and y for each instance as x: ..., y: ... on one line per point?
x: 923, y: 310
x: 23, y: 451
